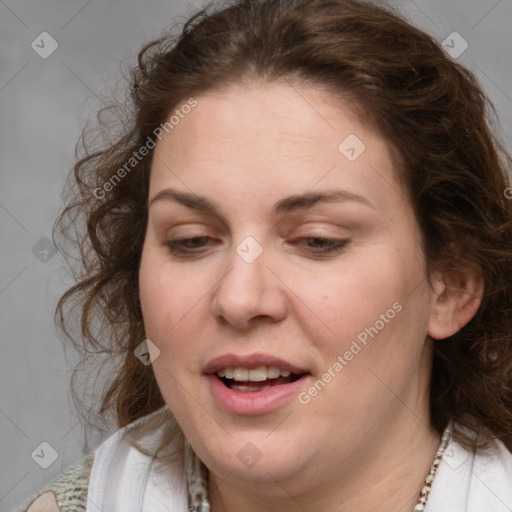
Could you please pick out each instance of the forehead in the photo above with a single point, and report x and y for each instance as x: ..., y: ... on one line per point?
x: 287, y: 134
x: 260, y: 112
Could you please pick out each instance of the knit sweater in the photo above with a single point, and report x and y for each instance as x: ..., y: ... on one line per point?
x: 65, y: 493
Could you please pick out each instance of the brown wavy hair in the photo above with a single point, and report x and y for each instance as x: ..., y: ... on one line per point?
x: 431, y: 111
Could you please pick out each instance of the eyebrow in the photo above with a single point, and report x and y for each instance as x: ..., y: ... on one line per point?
x: 287, y: 205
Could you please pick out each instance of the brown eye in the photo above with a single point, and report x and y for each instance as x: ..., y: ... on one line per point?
x: 319, y: 245
x: 185, y: 246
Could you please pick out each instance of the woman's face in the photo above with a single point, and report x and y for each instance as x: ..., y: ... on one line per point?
x: 283, y: 282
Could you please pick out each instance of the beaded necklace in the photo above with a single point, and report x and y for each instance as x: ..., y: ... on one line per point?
x: 445, y: 439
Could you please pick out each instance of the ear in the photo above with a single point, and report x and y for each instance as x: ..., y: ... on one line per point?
x: 457, y: 295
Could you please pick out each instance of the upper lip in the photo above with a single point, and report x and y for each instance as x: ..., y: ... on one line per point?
x: 250, y: 362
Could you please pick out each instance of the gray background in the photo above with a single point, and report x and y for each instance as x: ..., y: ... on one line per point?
x: 44, y: 104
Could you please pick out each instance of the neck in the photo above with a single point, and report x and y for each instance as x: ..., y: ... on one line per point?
x: 387, y: 475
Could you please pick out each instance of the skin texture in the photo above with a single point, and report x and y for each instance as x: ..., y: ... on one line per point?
x: 364, y: 441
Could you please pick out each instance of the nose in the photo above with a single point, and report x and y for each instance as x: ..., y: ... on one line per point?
x: 250, y: 293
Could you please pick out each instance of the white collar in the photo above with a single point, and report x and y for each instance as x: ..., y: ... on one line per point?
x: 466, y: 482
x: 125, y: 480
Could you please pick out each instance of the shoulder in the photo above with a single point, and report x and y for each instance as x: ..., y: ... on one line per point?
x: 67, y: 492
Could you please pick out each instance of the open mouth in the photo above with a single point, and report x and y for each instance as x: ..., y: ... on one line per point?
x: 255, y: 379
x: 254, y: 384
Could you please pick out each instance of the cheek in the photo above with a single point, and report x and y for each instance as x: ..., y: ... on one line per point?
x: 378, y: 295
x: 160, y: 308
x: 165, y: 290
x: 173, y: 301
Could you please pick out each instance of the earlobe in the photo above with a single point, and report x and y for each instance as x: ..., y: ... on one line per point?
x: 457, y: 295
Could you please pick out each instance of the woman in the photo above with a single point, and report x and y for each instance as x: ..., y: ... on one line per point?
x: 300, y: 248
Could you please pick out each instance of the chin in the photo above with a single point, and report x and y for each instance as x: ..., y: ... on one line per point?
x: 258, y: 457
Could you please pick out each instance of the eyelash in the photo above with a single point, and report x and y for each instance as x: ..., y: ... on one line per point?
x: 328, y: 246
x: 179, y: 247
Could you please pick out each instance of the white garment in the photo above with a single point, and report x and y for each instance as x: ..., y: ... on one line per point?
x: 125, y: 480
x: 468, y: 483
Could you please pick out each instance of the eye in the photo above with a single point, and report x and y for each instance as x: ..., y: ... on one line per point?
x: 319, y: 245
x: 183, y: 247
x: 187, y: 246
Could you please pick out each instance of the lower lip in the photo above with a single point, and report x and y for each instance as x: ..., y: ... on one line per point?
x: 253, y: 402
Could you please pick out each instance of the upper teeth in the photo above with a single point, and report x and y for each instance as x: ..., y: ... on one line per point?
x: 256, y: 374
